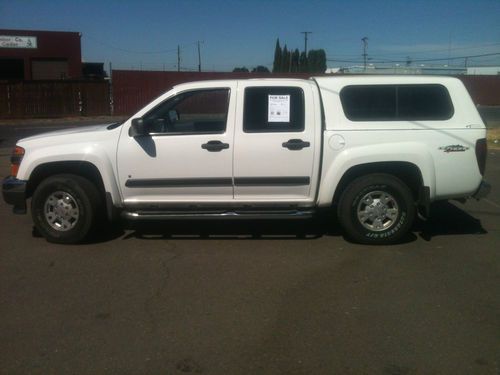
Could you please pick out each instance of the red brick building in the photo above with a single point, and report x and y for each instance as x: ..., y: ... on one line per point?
x: 38, y: 55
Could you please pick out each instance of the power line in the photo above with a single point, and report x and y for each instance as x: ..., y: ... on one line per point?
x: 457, y: 58
x: 418, y: 60
x: 439, y: 49
x: 105, y: 44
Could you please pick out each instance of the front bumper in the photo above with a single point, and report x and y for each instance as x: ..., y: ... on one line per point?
x: 483, y: 190
x: 14, y: 193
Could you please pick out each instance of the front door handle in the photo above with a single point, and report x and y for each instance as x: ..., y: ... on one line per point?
x: 296, y: 144
x: 214, y: 146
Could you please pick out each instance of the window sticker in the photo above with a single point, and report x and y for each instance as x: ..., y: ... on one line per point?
x: 278, y: 108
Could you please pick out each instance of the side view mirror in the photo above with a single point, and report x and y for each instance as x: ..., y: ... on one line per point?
x: 138, y: 128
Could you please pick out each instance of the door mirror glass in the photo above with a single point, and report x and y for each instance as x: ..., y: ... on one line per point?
x: 138, y: 128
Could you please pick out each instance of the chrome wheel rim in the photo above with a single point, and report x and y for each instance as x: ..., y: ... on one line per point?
x: 61, y: 211
x: 377, y: 211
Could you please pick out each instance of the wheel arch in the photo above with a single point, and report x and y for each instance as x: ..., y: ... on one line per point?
x: 407, y: 172
x: 80, y: 168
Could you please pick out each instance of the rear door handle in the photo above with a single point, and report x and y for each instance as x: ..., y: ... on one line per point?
x: 214, y: 146
x: 296, y: 144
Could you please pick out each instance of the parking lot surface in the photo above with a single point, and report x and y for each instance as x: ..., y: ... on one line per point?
x: 255, y: 297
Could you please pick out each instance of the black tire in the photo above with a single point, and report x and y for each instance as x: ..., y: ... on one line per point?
x: 376, y: 209
x: 65, y: 208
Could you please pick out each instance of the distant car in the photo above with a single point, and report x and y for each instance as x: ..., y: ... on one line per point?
x: 376, y: 149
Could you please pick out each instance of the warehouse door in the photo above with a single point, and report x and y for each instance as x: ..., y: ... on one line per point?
x: 49, y: 69
x: 11, y: 69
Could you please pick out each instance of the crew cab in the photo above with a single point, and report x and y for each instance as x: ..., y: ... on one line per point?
x: 376, y: 149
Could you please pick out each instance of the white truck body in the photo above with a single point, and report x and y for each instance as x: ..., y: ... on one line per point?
x: 306, y: 165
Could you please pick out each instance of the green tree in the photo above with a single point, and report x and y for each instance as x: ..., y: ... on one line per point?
x: 321, y: 61
x: 295, y: 60
x: 303, y: 62
x: 277, y: 57
x: 316, y: 61
x: 285, y: 60
x: 243, y: 69
x: 260, y: 69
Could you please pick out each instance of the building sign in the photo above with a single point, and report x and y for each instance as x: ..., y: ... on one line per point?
x: 10, y: 41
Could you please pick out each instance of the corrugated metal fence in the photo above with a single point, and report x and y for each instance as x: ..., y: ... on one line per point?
x: 29, y: 99
x: 484, y: 90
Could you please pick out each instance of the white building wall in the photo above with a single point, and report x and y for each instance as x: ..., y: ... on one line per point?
x: 483, y: 70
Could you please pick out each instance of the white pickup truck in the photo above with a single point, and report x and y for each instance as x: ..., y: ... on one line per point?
x: 377, y: 149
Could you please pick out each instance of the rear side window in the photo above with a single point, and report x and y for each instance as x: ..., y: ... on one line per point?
x: 424, y: 102
x: 396, y: 102
x: 369, y: 103
x: 273, y: 109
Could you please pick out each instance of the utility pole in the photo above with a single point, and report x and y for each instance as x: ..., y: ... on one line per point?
x: 365, y: 47
x: 449, y: 48
x: 111, y: 103
x: 305, y: 40
x: 178, y: 58
x: 199, y: 57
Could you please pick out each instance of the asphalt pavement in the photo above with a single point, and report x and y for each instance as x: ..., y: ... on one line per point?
x: 255, y: 297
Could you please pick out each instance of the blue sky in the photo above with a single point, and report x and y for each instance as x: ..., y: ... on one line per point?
x: 135, y: 34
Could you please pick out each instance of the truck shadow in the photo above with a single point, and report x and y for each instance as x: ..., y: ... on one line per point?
x: 446, y: 219
x: 230, y: 229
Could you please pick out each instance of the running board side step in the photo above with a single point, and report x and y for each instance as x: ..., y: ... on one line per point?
x: 200, y: 215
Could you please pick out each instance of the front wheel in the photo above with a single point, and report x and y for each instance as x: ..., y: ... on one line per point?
x: 376, y: 209
x: 64, y: 208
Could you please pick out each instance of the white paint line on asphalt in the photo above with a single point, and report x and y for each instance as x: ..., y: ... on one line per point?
x: 491, y: 202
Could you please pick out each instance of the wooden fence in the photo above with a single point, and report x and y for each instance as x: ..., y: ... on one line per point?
x: 134, y: 89
x: 30, y: 99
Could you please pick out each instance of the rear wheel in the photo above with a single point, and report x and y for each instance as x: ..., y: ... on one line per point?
x: 65, y: 208
x: 376, y: 209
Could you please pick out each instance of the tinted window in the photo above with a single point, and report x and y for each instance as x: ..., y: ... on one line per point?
x: 273, y: 109
x: 396, y: 102
x: 369, y: 103
x: 191, y: 112
x: 424, y: 102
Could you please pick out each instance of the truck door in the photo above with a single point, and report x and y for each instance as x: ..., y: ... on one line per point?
x: 276, y: 148
x: 187, y: 157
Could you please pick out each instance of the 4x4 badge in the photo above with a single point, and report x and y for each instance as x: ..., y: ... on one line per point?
x: 454, y: 148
